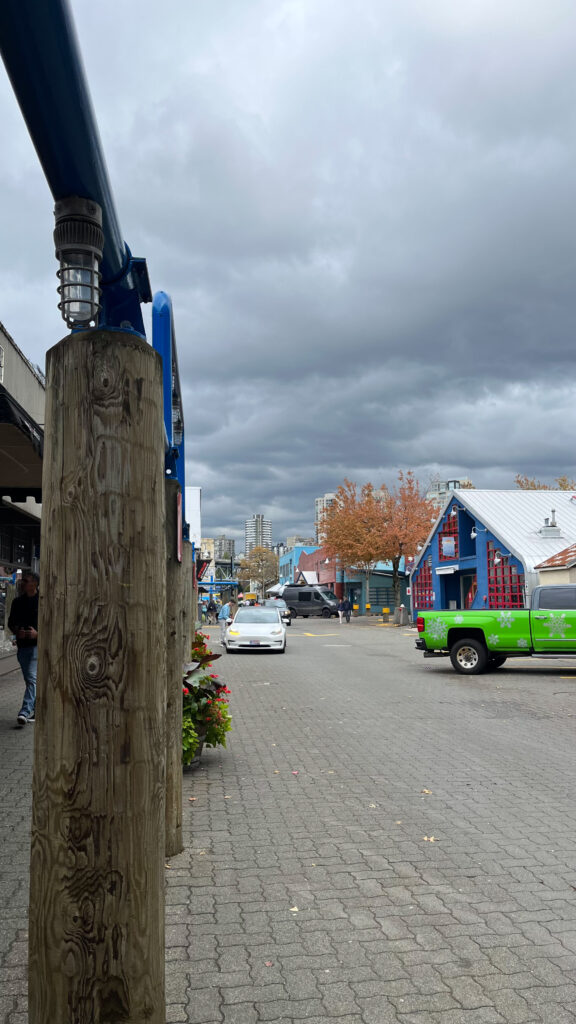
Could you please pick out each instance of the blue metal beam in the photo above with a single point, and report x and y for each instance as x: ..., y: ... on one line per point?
x: 40, y: 49
x: 164, y: 341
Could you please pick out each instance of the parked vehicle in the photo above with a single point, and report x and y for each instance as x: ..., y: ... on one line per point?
x: 256, y: 628
x: 478, y: 641
x: 310, y: 599
x: 280, y: 604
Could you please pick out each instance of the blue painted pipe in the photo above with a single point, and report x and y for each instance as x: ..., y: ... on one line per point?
x: 40, y: 49
x: 164, y: 341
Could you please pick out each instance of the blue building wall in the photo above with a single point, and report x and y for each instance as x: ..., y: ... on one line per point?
x: 354, y: 587
x: 288, y: 562
x: 472, y: 563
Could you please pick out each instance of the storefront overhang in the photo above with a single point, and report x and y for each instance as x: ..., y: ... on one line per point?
x: 21, y: 450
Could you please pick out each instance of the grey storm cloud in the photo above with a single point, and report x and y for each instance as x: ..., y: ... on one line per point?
x: 362, y: 213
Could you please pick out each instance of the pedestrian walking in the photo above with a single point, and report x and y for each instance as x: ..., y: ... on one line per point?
x: 347, y: 609
x: 211, y: 613
x: 223, y: 616
x: 23, y: 622
x: 340, y: 610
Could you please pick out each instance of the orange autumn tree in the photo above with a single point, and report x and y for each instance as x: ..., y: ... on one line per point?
x: 408, y: 521
x: 528, y: 483
x: 352, y: 527
x: 367, y: 526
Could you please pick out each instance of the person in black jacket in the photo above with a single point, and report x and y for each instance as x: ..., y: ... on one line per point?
x: 23, y: 622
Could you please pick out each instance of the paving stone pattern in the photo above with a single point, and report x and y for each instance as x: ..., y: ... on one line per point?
x: 310, y: 887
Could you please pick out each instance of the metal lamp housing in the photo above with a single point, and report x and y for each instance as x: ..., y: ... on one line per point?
x: 79, y: 243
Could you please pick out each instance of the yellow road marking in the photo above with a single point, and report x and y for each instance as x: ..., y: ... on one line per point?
x: 320, y: 634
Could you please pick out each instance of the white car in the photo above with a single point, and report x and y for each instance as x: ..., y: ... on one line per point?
x: 255, y: 629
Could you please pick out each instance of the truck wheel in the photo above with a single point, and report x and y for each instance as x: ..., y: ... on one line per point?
x: 293, y: 613
x: 469, y: 657
x: 325, y: 613
x: 495, y: 661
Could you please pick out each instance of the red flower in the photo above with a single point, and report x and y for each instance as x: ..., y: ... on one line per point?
x: 185, y: 689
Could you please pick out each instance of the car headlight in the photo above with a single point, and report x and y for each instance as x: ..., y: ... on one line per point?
x: 276, y: 632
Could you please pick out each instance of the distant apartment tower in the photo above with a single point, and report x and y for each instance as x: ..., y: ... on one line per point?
x: 257, y: 533
x: 224, y: 547
x: 438, y: 490
x: 292, y: 542
x: 321, y: 505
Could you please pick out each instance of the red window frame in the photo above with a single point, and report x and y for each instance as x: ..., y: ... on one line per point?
x: 449, y: 529
x: 422, y: 586
x: 505, y: 582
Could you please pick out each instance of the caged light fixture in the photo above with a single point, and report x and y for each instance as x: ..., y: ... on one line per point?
x: 475, y: 531
x: 79, y: 242
x: 455, y: 509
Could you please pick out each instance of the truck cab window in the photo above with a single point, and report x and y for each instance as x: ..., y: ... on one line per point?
x: 557, y: 598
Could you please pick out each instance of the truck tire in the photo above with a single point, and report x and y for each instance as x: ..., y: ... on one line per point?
x: 293, y: 613
x: 495, y: 661
x: 469, y: 657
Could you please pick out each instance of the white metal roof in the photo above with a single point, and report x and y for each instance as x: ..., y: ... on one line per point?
x: 516, y: 517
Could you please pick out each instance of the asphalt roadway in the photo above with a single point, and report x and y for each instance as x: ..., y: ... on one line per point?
x: 381, y: 841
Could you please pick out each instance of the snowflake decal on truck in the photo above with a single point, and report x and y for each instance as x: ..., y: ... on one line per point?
x: 505, y: 619
x: 557, y: 625
x: 458, y: 619
x: 437, y: 629
x: 493, y: 639
x: 522, y: 642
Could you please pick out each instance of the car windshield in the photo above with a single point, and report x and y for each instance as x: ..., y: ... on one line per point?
x: 256, y: 615
x: 277, y: 603
x: 329, y: 595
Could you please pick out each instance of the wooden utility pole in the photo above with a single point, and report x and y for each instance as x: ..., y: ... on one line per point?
x: 174, y: 662
x: 97, y: 863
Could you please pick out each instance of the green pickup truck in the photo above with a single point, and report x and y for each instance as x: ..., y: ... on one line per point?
x: 478, y: 641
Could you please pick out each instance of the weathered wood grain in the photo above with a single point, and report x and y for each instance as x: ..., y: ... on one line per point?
x: 97, y: 859
x: 174, y: 660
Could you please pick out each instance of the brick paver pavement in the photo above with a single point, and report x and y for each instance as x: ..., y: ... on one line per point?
x: 382, y: 841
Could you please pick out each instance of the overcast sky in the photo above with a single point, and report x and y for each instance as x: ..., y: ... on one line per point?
x: 365, y: 216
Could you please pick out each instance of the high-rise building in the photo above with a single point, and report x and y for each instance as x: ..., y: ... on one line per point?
x: 321, y: 505
x: 439, y: 490
x: 224, y: 547
x: 257, y: 533
x: 294, y: 541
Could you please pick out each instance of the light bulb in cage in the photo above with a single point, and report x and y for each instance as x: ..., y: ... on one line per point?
x: 79, y: 242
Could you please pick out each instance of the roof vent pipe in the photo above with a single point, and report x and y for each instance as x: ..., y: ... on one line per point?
x: 553, y: 523
x: 546, y: 522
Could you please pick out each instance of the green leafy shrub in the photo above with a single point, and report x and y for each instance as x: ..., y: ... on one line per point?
x: 206, y: 716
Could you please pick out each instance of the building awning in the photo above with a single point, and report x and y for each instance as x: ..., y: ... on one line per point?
x: 21, y: 450
x: 445, y: 570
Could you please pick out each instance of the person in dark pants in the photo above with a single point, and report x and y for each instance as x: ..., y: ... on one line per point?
x: 23, y: 622
x: 347, y: 609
